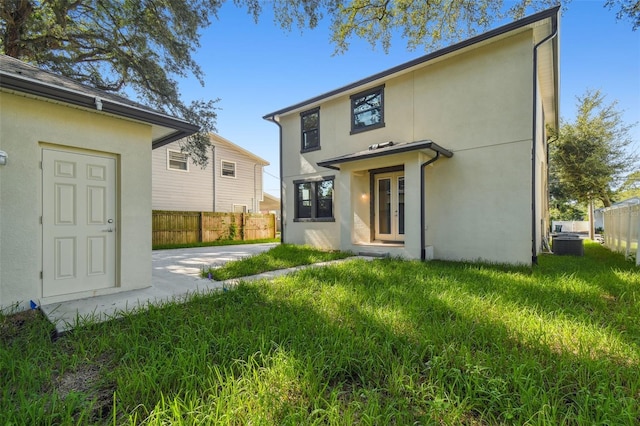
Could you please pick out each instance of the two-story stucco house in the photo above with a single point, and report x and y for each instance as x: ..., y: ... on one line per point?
x: 231, y: 182
x: 75, y: 187
x: 442, y: 157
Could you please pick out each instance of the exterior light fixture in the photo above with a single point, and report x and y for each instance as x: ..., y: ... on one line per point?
x: 3, y: 158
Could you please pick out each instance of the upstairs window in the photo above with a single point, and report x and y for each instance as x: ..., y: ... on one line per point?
x: 310, y: 121
x: 177, y: 160
x: 314, y: 200
x: 367, y: 110
x: 228, y: 169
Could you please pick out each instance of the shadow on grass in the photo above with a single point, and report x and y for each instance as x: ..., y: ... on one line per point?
x: 377, y: 342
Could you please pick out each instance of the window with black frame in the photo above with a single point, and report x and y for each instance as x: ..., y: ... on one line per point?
x: 314, y: 200
x: 310, y: 123
x: 367, y: 110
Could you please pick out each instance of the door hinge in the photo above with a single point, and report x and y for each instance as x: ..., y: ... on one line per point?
x: 41, y: 165
x: 41, y: 275
x: 40, y: 220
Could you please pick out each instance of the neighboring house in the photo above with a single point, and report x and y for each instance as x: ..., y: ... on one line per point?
x: 231, y: 181
x: 442, y: 157
x: 75, y: 187
x: 271, y: 204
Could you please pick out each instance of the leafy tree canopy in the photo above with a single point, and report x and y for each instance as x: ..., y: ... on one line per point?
x: 140, y: 45
x: 630, y: 188
x: 590, y: 156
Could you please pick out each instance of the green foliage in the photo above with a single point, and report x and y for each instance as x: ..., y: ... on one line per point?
x: 424, y: 24
x: 568, y: 211
x: 233, y: 231
x: 118, y: 46
x: 627, y: 10
x: 590, y: 156
x: 380, y: 342
x: 630, y: 188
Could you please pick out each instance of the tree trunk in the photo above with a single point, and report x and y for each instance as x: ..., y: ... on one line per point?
x: 15, y: 13
x: 591, y: 222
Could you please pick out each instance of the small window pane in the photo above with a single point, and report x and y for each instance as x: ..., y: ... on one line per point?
x: 310, y: 139
x: 367, y: 109
x: 310, y: 130
x: 303, y: 200
x: 177, y: 160
x: 324, y: 191
x: 228, y: 169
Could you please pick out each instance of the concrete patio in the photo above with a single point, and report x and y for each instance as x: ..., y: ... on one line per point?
x: 176, y: 275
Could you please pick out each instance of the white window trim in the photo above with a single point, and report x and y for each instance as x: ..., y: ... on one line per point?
x: 246, y: 208
x: 169, y: 162
x: 235, y: 169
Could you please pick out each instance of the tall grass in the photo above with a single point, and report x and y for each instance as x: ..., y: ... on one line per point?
x: 381, y: 342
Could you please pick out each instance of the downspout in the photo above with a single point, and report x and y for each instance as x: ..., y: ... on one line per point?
x: 256, y: 207
x: 534, y: 224
x: 422, y: 200
x: 282, y: 221
x: 213, y: 171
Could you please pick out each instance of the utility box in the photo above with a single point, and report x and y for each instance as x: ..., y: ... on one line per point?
x: 568, y: 245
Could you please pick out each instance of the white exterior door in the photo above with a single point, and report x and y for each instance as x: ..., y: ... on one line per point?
x: 78, y: 222
x: 389, y: 207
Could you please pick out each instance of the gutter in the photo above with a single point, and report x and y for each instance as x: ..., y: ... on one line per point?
x: 96, y: 102
x: 534, y: 136
x: 272, y: 118
x: 421, y: 60
x: 422, y: 200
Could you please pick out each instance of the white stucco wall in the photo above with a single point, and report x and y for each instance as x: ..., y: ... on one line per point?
x: 28, y: 124
x: 477, y: 104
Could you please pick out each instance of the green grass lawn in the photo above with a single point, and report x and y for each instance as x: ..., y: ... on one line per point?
x: 381, y: 342
x: 283, y: 256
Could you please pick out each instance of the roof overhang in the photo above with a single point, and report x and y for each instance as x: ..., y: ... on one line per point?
x: 537, y: 22
x: 390, y: 149
x: 165, y: 128
x: 217, y: 139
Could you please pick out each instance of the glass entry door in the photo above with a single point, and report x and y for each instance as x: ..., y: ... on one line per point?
x: 389, y: 207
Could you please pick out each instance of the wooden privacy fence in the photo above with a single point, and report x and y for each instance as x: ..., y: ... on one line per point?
x: 170, y: 227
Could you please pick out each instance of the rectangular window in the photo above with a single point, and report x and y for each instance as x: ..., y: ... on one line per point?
x: 303, y: 200
x: 228, y: 169
x: 367, y: 110
x: 314, y: 200
x: 177, y: 160
x: 310, y: 121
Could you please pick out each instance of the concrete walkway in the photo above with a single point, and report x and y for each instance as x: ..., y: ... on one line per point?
x: 176, y: 274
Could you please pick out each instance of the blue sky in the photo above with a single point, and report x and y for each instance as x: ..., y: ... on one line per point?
x: 258, y: 68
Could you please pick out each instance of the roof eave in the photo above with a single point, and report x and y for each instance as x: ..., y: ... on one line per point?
x: 545, y: 14
x: 364, y: 155
x: 182, y: 128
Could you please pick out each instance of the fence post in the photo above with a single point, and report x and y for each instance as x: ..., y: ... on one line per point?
x: 243, y: 226
x: 201, y: 233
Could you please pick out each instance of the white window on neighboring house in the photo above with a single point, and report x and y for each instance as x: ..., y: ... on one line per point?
x: 228, y: 169
x: 239, y: 208
x: 177, y: 160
